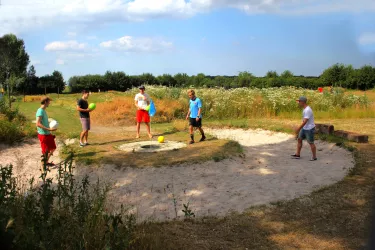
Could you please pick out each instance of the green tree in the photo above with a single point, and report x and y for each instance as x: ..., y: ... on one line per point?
x: 220, y: 81
x: 272, y: 74
x: 166, y: 80
x: 13, y: 61
x: 337, y: 75
x: 287, y: 74
x: 199, y: 80
x: 58, y: 82
x: 365, y: 78
x: 244, y: 79
x: 31, y: 82
x: 148, y: 78
x: 182, y: 79
x: 45, y: 82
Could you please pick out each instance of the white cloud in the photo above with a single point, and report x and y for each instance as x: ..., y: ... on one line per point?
x: 21, y: 15
x: 65, y: 46
x: 60, y: 62
x: 133, y: 44
x: 367, y: 38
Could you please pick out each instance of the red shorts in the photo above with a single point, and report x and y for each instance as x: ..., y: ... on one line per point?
x: 47, y: 142
x: 142, y: 115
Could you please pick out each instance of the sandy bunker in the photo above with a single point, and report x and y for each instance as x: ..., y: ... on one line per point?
x: 265, y: 174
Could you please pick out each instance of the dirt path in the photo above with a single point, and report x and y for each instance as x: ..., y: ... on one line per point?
x: 25, y: 158
x: 266, y: 174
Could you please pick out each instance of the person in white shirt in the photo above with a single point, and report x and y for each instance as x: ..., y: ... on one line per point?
x: 142, y: 100
x: 306, y: 130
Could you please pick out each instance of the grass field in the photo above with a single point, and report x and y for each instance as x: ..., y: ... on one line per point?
x: 335, y: 217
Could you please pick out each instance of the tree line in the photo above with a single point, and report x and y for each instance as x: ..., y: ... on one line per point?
x: 15, y: 76
x: 338, y: 75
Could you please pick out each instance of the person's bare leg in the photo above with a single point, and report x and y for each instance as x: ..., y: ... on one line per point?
x: 313, y: 150
x: 82, y: 136
x: 86, y: 136
x: 50, y: 154
x: 148, y: 130
x: 138, y: 129
x: 299, y: 147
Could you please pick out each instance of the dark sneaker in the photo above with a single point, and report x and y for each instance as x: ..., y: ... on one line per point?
x: 86, y: 143
x: 295, y: 156
x: 203, y: 138
x: 313, y: 159
x: 191, y: 142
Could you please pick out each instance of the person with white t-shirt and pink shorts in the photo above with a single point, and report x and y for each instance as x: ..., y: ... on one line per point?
x: 306, y: 130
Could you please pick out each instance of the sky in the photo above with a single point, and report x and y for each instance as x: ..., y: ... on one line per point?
x: 214, y: 37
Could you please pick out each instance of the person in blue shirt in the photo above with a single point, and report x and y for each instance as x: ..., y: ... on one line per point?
x: 195, y: 115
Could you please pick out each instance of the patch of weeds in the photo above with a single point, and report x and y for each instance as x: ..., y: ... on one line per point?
x: 73, y: 135
x: 277, y: 203
x: 351, y: 148
x: 321, y: 189
x: 66, y: 149
x: 188, y: 213
x: 218, y: 157
x: 359, y: 166
x: 87, y: 161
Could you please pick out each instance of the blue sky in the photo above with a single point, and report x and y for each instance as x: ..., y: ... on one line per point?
x: 220, y: 37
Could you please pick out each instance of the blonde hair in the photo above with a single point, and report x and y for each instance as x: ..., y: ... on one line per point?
x: 191, y: 91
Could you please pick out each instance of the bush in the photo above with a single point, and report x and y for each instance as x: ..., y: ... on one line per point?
x: 11, y: 114
x: 63, y: 215
x: 10, y: 132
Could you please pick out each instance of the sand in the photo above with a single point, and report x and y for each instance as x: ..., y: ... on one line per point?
x: 266, y: 174
x: 26, y: 158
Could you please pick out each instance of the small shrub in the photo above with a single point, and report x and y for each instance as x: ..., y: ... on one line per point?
x: 10, y: 132
x: 68, y: 214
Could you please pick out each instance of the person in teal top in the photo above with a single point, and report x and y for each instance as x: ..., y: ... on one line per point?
x: 47, y: 140
x: 195, y: 115
x: 44, y: 121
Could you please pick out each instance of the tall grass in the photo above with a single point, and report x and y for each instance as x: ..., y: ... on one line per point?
x: 66, y: 214
x: 121, y: 111
x: 268, y: 102
x: 117, y: 108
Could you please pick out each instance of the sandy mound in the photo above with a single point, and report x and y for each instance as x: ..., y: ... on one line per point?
x: 151, y: 146
x: 265, y: 174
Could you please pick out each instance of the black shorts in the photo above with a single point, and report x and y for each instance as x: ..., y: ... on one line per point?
x: 196, y: 124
